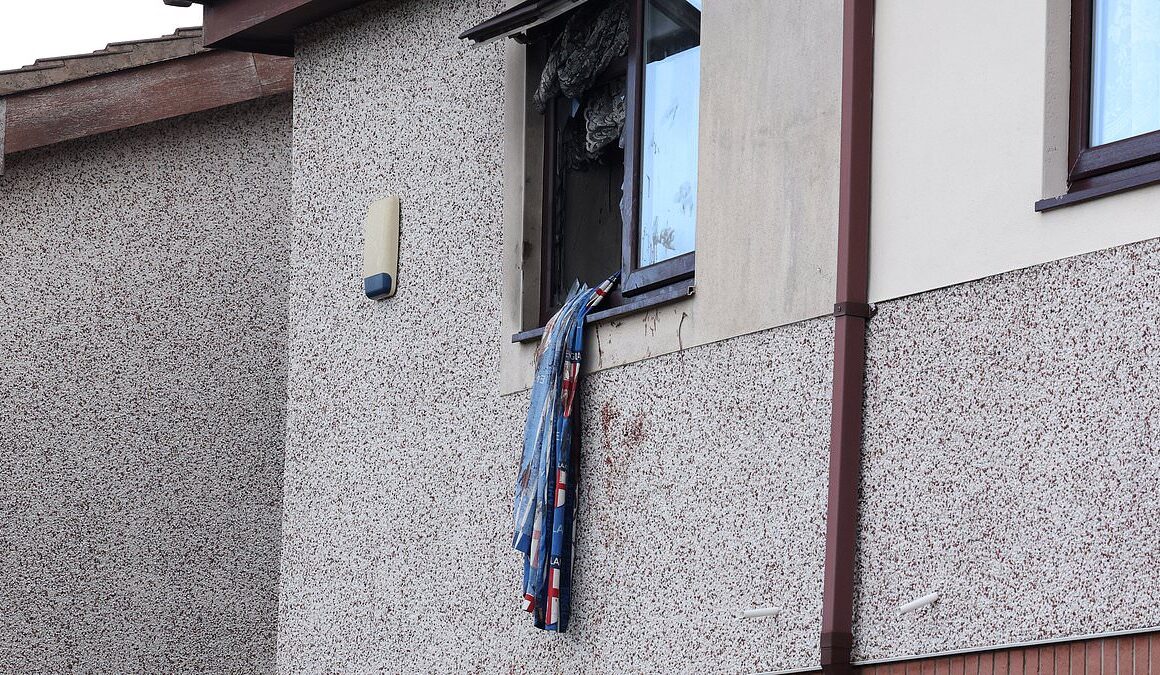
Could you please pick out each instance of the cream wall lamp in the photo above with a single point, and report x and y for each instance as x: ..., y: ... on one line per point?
x: 381, y: 249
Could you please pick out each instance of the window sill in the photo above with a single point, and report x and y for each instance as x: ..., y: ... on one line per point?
x: 1139, y: 177
x: 661, y: 296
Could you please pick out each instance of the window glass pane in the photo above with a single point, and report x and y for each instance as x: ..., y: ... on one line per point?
x: 672, y: 79
x: 1125, y: 69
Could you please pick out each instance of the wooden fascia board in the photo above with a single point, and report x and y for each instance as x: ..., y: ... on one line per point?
x: 141, y: 95
x: 264, y: 26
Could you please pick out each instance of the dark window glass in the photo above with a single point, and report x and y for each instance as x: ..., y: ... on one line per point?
x: 587, y: 233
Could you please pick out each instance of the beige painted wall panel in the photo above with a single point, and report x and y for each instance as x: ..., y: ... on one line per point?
x: 516, y: 370
x: 608, y: 344
x: 768, y: 196
x: 962, y: 92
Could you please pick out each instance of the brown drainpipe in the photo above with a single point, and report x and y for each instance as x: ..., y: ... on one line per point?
x: 851, y: 312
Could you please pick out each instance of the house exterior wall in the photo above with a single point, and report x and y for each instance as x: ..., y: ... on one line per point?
x: 1006, y: 464
x: 1011, y: 448
x: 142, y: 384
x: 703, y: 471
x: 1011, y: 420
x: 767, y: 217
x: 1011, y: 457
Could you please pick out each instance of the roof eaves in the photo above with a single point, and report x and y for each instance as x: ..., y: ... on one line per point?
x: 128, y: 84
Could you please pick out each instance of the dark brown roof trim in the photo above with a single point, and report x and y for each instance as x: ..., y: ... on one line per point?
x: 264, y: 26
x: 518, y: 19
x: 150, y: 93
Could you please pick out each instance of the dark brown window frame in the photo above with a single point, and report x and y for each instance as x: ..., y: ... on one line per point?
x: 634, y: 278
x: 1096, y: 171
x: 640, y: 288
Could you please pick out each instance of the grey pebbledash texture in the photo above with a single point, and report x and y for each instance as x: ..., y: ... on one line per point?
x: 142, y: 384
x: 703, y: 477
x: 1011, y: 458
x: 3, y: 128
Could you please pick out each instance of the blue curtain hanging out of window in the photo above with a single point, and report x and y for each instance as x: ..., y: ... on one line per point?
x: 544, y: 497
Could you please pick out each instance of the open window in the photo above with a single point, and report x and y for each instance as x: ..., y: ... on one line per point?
x: 618, y: 91
x: 1115, y: 99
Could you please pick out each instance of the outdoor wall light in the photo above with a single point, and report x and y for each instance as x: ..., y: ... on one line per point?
x: 918, y: 603
x: 381, y: 249
x: 757, y: 612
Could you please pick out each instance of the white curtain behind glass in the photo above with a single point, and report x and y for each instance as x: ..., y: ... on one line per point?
x: 1125, y: 69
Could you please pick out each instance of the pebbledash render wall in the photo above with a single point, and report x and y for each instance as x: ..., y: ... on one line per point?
x: 1011, y: 458
x: 142, y: 385
x: 703, y: 483
x: 1010, y: 426
x: 1012, y: 451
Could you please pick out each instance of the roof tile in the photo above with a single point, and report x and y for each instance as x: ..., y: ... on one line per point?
x: 114, y: 57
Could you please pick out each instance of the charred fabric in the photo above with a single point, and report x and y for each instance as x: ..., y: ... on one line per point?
x: 593, y: 37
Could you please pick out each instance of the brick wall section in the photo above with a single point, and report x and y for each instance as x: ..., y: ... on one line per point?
x: 1128, y: 655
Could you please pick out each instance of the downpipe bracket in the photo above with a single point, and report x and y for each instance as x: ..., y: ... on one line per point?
x: 860, y: 309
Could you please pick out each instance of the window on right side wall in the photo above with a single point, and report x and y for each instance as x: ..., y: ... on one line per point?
x: 1115, y: 97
